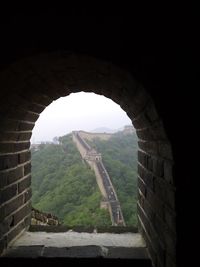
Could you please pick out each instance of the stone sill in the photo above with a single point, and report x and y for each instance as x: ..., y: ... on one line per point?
x: 74, y: 245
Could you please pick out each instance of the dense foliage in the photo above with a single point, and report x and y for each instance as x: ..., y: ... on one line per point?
x: 63, y: 184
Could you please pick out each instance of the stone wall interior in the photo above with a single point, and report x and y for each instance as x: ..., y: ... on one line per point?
x: 50, y: 76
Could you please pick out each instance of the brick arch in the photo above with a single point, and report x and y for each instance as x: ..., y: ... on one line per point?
x: 31, y: 85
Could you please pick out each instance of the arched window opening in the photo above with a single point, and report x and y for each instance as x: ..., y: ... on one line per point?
x: 84, y: 164
x: 29, y: 86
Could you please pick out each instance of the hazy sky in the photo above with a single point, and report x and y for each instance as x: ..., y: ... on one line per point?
x: 78, y: 111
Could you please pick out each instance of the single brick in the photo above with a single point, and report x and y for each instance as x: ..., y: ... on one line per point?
x: 22, y: 213
x: 158, y: 167
x: 24, y: 136
x: 25, y: 126
x: 149, y: 147
x: 3, y: 180
x: 165, y: 151
x: 27, y: 195
x: 31, y: 116
x: 25, y: 183
x: 4, y: 227
x: 9, y: 177
x: 15, y: 174
x: 13, y: 205
x: 22, y: 146
x: 37, y: 108
x: 24, y: 156
x: 165, y: 192
x: 27, y: 168
x: 7, y: 147
x: 8, y: 161
x: 8, y: 193
x: 155, y: 203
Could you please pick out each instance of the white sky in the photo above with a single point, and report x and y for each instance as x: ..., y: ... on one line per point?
x: 78, y: 111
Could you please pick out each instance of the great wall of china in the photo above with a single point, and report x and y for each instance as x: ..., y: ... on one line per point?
x: 94, y: 159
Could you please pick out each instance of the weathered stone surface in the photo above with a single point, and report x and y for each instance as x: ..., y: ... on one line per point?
x: 146, y: 176
x: 22, y: 213
x: 27, y: 195
x: 165, y: 192
x: 71, y: 238
x: 150, y: 147
x: 74, y: 252
x: 10, y: 176
x: 14, y: 147
x: 3, y: 244
x: 43, y: 218
x: 25, y: 183
x: 165, y: 150
x: 4, y: 227
x: 143, y: 158
x: 25, y: 126
x: 24, y: 156
x: 8, y: 193
x: 142, y: 186
x: 27, y: 168
x: 15, y: 231
x: 155, y: 203
x: 8, y: 161
x: 158, y: 167
x: 126, y: 253
x: 24, y: 252
x: 170, y: 219
x: 13, y: 205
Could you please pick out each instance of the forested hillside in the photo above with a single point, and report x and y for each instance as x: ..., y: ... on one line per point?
x: 64, y: 185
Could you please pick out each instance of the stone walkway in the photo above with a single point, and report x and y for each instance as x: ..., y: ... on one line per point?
x: 71, y: 238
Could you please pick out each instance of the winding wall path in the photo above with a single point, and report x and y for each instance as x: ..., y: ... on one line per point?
x: 94, y: 159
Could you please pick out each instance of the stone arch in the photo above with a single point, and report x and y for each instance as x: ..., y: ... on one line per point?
x: 29, y: 86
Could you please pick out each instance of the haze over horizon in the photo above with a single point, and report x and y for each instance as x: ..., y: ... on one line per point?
x: 78, y: 111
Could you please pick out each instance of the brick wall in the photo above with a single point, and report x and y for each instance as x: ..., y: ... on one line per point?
x: 28, y: 87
